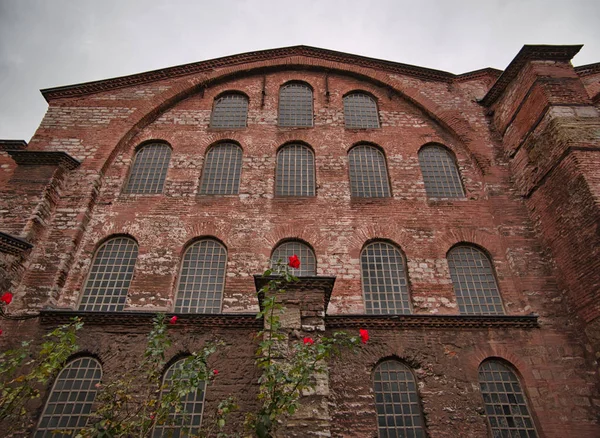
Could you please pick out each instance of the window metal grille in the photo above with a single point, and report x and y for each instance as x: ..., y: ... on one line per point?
x: 440, y: 173
x: 188, y: 422
x: 384, y: 279
x: 295, y: 175
x: 360, y: 111
x: 149, y: 169
x: 505, y: 404
x: 397, y: 401
x: 368, y: 173
x: 222, y: 169
x: 111, y: 272
x: 70, y: 400
x: 295, y: 105
x: 308, y: 264
x: 230, y: 111
x: 202, y: 278
x: 474, y: 282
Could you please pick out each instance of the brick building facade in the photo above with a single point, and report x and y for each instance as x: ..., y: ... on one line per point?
x: 454, y: 216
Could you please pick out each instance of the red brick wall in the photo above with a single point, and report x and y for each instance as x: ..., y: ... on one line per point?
x: 103, y: 129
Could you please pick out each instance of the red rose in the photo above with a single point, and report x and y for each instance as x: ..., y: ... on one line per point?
x: 173, y: 320
x: 0, y: 331
x: 7, y: 297
x: 215, y: 372
x: 152, y: 416
x: 308, y: 341
x: 294, y: 262
x: 364, y: 335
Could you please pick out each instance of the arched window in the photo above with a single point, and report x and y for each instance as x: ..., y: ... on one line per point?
x: 230, y: 111
x: 397, y: 401
x: 149, y: 169
x: 70, y: 400
x: 440, y: 173
x: 295, y: 105
x: 222, y: 169
x: 474, y: 281
x: 384, y: 279
x: 368, y: 172
x: 188, y: 422
x: 111, y: 272
x: 308, y: 264
x: 360, y: 111
x: 295, y: 174
x: 202, y: 278
x: 505, y: 403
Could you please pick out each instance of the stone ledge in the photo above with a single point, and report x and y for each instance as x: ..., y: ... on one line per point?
x: 304, y: 284
x: 134, y: 318
x: 13, y: 245
x: 431, y: 321
x: 6, y: 145
x: 43, y: 158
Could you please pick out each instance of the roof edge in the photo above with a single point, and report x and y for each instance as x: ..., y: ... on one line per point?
x: 588, y: 69
x: 526, y: 54
x: 253, y: 56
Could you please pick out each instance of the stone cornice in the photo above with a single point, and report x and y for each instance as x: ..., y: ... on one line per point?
x: 6, y: 145
x: 482, y: 73
x: 256, y: 56
x: 43, y: 158
x: 526, y: 54
x: 136, y: 318
x: 13, y: 245
x: 589, y: 69
x: 304, y: 284
x: 431, y: 321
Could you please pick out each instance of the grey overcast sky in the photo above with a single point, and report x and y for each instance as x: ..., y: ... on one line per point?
x: 48, y: 43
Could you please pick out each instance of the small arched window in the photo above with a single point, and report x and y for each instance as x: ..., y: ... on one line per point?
x: 505, y: 403
x: 202, y: 278
x: 474, y: 281
x: 149, y: 169
x: 384, y: 279
x: 308, y: 263
x: 222, y: 170
x: 188, y: 422
x: 230, y: 111
x: 397, y: 401
x: 368, y: 172
x: 360, y: 111
x: 295, y: 174
x: 110, y: 275
x: 70, y: 400
x: 440, y: 173
x: 295, y: 105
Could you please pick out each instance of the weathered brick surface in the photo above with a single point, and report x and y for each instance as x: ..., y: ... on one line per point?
x: 542, y: 262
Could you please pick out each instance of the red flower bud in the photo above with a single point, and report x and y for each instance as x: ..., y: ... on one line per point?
x: 173, y: 320
x: 152, y: 416
x: 215, y: 372
x: 0, y: 331
x: 6, y: 298
x: 294, y: 262
x: 308, y: 341
x: 364, y: 335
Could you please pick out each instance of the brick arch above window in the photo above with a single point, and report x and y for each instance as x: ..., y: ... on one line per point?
x: 360, y: 110
x: 474, y: 281
x: 368, y: 172
x: 506, y: 405
x: 222, y: 169
x: 397, y: 402
x: 440, y: 172
x: 149, y: 169
x: 286, y: 249
x: 296, y: 105
x: 384, y: 279
x: 230, y: 111
x: 110, y: 275
x: 71, y: 398
x: 295, y: 171
x: 202, y: 278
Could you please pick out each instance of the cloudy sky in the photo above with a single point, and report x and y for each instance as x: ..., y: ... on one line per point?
x: 48, y: 43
